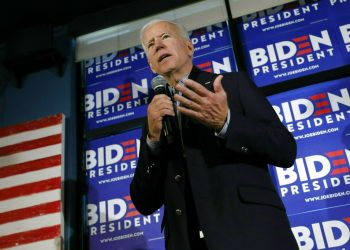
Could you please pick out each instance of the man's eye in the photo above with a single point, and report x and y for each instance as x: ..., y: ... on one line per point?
x: 150, y: 45
x: 165, y: 36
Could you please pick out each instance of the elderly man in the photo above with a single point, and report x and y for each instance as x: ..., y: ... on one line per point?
x: 213, y: 179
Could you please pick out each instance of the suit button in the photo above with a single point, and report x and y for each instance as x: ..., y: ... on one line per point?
x: 244, y: 150
x: 178, y: 211
x: 178, y: 178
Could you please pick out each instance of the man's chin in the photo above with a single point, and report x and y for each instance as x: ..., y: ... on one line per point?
x: 166, y: 71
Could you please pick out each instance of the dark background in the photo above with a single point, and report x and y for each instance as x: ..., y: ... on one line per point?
x: 28, y: 29
x: 79, y: 16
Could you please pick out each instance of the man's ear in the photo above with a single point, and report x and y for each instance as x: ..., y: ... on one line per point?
x: 190, y: 48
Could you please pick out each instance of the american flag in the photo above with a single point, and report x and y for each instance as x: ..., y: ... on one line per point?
x: 31, y: 166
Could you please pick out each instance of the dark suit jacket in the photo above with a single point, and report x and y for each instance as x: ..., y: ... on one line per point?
x: 235, y: 199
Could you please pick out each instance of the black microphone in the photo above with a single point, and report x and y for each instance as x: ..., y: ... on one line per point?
x: 159, y: 85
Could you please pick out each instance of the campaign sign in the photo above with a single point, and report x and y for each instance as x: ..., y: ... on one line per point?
x: 294, y: 54
x: 296, y: 42
x: 111, y: 65
x: 319, y: 118
x: 113, y: 221
x: 273, y: 21
x: 342, y: 26
x: 339, y: 19
x: 324, y: 229
x: 119, y: 100
x: 336, y: 8
x: 217, y: 62
x: 213, y: 49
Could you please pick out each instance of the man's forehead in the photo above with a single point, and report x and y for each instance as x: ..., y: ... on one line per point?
x: 158, y: 29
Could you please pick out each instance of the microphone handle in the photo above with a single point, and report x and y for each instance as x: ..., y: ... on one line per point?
x: 168, y: 122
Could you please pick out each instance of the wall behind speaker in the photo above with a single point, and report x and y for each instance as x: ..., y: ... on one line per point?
x: 30, y: 50
x: 29, y: 41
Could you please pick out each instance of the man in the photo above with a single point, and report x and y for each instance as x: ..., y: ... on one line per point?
x: 213, y: 179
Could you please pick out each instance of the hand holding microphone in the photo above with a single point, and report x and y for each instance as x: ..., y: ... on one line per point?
x: 161, y: 112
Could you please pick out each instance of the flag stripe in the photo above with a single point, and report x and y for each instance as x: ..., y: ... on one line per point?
x: 132, y: 214
x: 340, y: 171
x: 128, y: 143
x: 31, y: 125
x: 335, y: 153
x: 30, y: 166
x: 126, y: 92
x: 304, y: 45
x: 30, y: 236
x: 300, y: 39
x: 129, y: 157
x: 339, y: 162
x: 27, y: 189
x: 20, y: 226
x: 322, y: 112
x: 304, y: 51
x: 30, y: 177
x: 30, y: 184
x: 28, y: 145
x: 30, y: 135
x: 318, y: 96
x: 29, y: 212
x: 40, y: 245
x: 126, y: 98
x: 30, y: 200
x: 322, y: 104
x: 30, y: 155
x: 131, y: 149
x: 204, y: 65
x: 124, y: 86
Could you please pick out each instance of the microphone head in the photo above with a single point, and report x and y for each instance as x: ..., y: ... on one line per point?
x: 158, y: 81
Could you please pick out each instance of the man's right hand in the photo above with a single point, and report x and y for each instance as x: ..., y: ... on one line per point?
x: 160, y: 106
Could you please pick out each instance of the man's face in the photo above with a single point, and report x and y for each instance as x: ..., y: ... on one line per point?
x: 166, y: 50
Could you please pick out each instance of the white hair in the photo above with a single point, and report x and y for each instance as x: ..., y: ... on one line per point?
x: 182, y: 31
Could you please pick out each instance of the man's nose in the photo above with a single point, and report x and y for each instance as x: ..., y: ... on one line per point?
x: 159, y: 44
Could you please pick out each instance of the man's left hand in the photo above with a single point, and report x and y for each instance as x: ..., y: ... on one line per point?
x: 209, y: 108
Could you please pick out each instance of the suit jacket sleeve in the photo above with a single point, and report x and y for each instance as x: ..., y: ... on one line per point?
x: 146, y: 187
x: 255, y: 129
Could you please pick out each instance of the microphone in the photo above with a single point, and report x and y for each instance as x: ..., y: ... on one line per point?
x: 159, y: 85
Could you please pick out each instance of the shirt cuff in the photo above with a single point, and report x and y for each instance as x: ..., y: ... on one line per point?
x: 223, y: 131
x: 154, y: 146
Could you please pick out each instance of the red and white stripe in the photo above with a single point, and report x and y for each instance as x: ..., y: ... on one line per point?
x: 30, y: 184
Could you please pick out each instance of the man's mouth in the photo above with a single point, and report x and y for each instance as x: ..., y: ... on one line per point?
x: 162, y: 57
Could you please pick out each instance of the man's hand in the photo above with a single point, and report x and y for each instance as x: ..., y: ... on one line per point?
x: 209, y: 108
x: 160, y: 106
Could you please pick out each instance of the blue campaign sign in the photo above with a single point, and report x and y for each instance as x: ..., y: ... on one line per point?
x: 336, y: 8
x: 217, y: 62
x: 287, y: 44
x: 280, y: 19
x: 324, y: 229
x: 111, y: 65
x: 339, y: 19
x: 109, y: 158
x: 342, y: 25
x: 318, y: 116
x: 293, y: 54
x: 119, y: 100
x: 113, y: 221
x: 213, y: 49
